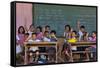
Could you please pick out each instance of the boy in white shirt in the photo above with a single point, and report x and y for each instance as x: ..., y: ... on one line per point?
x: 33, y: 49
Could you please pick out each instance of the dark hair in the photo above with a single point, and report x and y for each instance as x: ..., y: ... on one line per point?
x: 39, y: 27
x: 94, y: 32
x: 68, y: 27
x: 20, y: 28
x: 34, y: 34
x: 53, y: 31
x: 82, y: 27
x: 26, y: 33
x: 74, y: 32
x: 47, y: 26
x: 46, y: 32
x: 31, y: 25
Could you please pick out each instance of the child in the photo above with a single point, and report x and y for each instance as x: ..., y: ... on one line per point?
x: 81, y: 32
x: 67, y: 48
x: 53, y: 36
x: 47, y: 28
x: 20, y: 35
x: 51, y: 50
x: 39, y: 32
x: 46, y: 36
x: 73, y: 35
x: 85, y: 36
x: 30, y: 30
x: 19, y: 43
x: 92, y: 48
x: 67, y: 31
x: 26, y: 36
x: 33, y: 49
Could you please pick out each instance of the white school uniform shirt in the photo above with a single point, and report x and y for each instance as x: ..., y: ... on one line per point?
x: 18, y: 47
x: 80, y: 35
x: 33, y: 48
x: 17, y: 37
x: 46, y: 39
x: 30, y: 33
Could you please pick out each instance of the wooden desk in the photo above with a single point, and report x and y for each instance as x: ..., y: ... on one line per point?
x: 39, y: 44
x: 82, y: 44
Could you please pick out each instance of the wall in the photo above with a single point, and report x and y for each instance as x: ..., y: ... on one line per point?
x: 23, y: 14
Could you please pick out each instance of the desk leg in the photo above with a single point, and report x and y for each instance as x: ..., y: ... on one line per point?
x: 25, y: 60
x: 56, y: 54
x: 71, y: 59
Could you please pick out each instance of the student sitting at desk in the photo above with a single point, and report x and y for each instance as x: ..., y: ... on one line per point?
x: 82, y: 36
x: 30, y: 30
x: 53, y: 37
x: 67, y: 31
x: 67, y: 48
x: 82, y: 33
x: 92, y: 48
x: 47, y: 28
x: 46, y: 36
x: 39, y: 32
x: 33, y: 49
x: 19, y: 43
x: 51, y: 50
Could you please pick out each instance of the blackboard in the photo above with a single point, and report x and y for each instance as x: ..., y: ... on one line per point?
x: 57, y: 16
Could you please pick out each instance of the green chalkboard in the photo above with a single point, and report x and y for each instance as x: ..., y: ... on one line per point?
x: 57, y: 16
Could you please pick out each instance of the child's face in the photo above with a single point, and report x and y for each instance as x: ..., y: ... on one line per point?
x: 33, y: 36
x: 82, y: 29
x: 93, y: 35
x: 46, y: 34
x: 67, y: 28
x: 73, y: 34
x: 52, y: 34
x: 21, y: 30
x: 32, y: 28
x: 47, y: 29
x: 37, y: 30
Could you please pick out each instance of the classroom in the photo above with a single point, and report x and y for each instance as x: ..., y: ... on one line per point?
x: 54, y: 33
